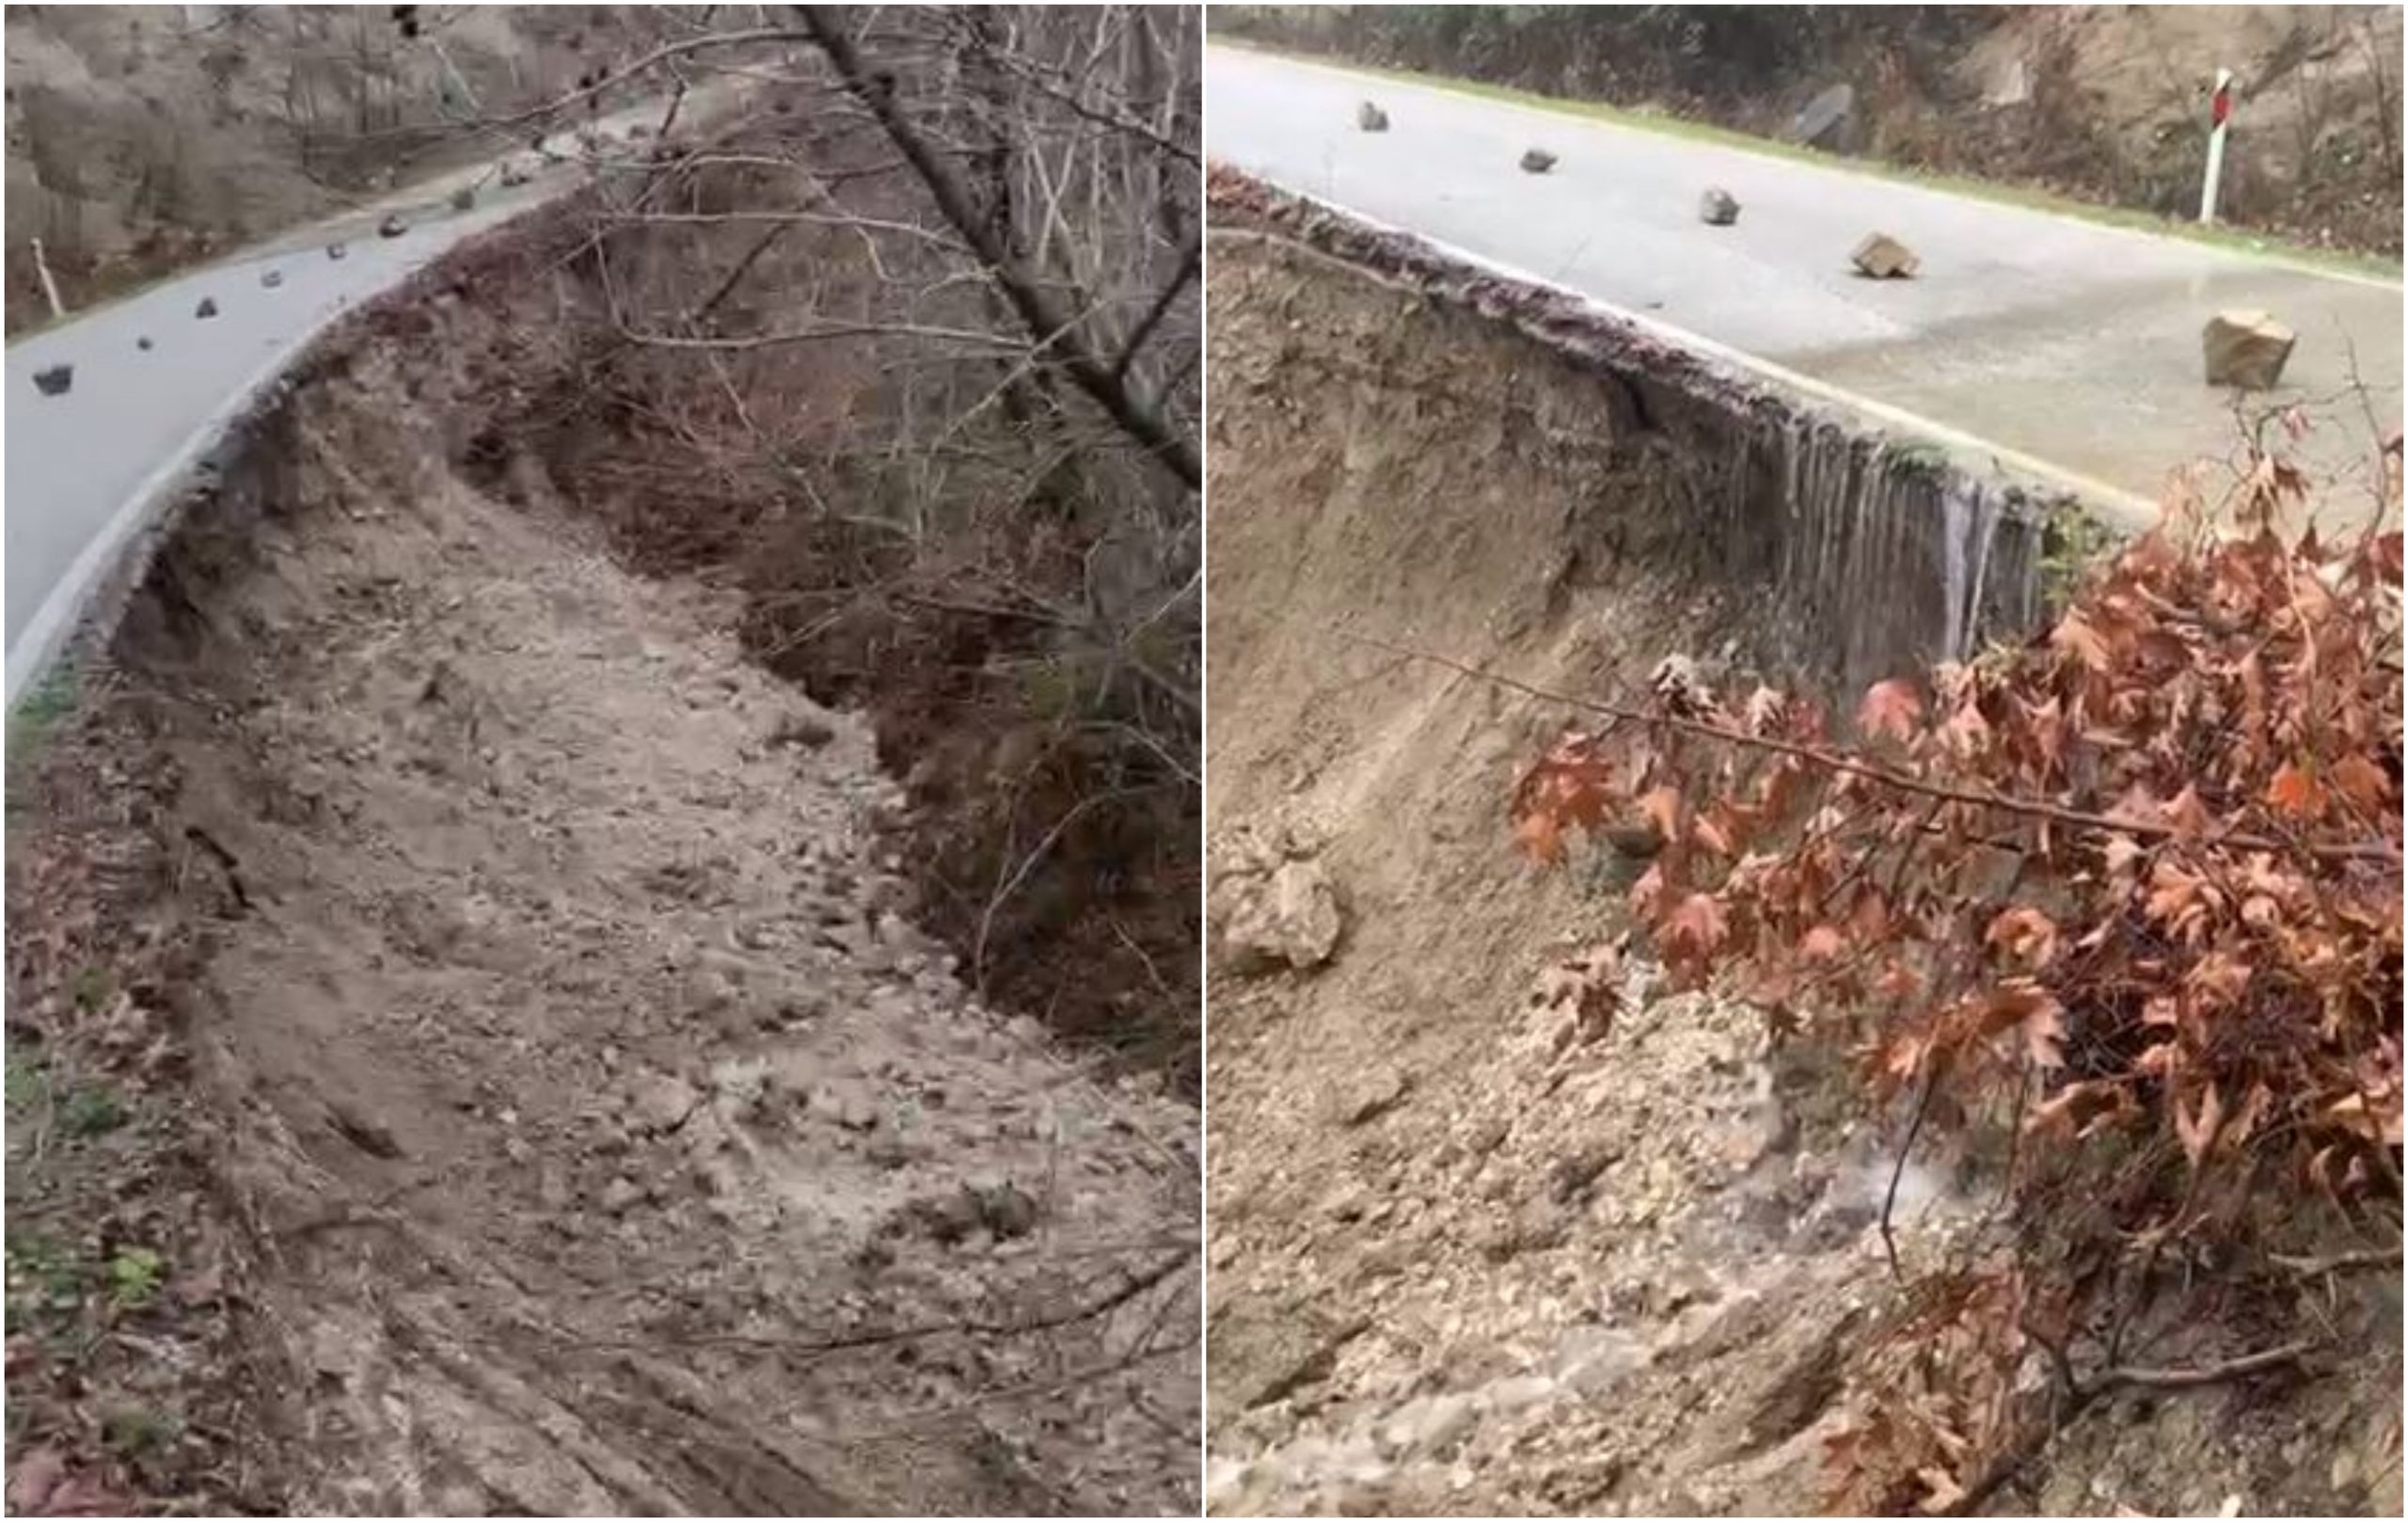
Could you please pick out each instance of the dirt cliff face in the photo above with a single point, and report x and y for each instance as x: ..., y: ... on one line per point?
x: 1468, y: 1255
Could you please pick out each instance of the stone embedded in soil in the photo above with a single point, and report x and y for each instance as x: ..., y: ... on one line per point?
x: 1379, y: 1091
x: 1884, y: 258
x: 662, y: 1102
x: 845, y: 1104
x: 1428, y: 1426
x: 1291, y: 917
x: 2246, y: 350
x: 620, y: 1194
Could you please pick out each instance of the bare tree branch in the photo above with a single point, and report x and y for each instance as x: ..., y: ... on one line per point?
x: 1039, y: 311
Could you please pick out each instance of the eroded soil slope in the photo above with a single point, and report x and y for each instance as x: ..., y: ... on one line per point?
x: 1469, y: 1257
x: 604, y: 1138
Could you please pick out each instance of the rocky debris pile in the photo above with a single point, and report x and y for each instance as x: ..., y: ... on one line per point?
x: 2246, y: 350
x: 1273, y: 904
x: 1537, y: 161
x: 1567, y: 1273
x: 1370, y: 117
x: 1718, y: 208
x: 623, y: 945
x: 1881, y: 257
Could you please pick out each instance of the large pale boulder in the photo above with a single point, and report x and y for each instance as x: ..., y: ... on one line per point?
x: 2246, y: 349
x: 1884, y: 258
x: 1289, y: 915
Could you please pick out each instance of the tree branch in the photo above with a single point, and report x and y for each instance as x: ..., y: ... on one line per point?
x: 1051, y: 326
x: 1835, y: 762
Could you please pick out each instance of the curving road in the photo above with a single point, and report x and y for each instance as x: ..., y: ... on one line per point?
x: 88, y: 470
x: 2062, y: 344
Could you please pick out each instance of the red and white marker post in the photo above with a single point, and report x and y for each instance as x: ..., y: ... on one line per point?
x: 2219, y: 118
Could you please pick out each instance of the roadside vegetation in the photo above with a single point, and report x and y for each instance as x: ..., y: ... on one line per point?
x: 2096, y: 110
x: 2119, y: 907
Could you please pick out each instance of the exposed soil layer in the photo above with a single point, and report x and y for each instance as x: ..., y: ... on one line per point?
x: 605, y: 1136
x: 1469, y: 1257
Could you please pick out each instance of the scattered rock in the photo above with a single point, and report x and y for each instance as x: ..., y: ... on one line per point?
x: 272, y: 278
x: 1428, y: 1426
x: 1718, y: 207
x: 1881, y: 257
x: 208, y: 307
x: 1379, y: 1092
x: 143, y: 343
x: 806, y: 730
x: 1537, y: 161
x: 1003, y: 1208
x: 55, y: 380
x: 337, y: 250
x: 514, y: 175
x: 1291, y: 917
x: 392, y: 226
x: 619, y: 1194
x: 463, y: 199
x: 844, y: 1105
x: 2247, y: 349
x: 1315, y: 1361
x: 1370, y: 117
x: 660, y: 1103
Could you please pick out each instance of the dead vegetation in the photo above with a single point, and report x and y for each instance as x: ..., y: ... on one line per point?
x: 2126, y: 896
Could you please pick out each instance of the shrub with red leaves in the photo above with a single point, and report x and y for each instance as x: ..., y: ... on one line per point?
x: 2134, y: 888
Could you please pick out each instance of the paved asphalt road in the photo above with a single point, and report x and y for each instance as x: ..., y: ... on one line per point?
x: 2067, y: 341
x: 86, y: 470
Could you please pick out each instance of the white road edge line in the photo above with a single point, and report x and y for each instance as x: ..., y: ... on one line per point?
x: 2128, y: 510
x: 1562, y: 114
x: 55, y: 620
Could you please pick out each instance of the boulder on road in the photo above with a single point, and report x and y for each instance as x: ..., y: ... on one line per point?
x: 1290, y: 915
x: 272, y: 278
x: 1537, y: 161
x: 208, y: 307
x: 1718, y: 207
x: 336, y: 250
x: 392, y: 226
x: 2247, y: 349
x: 143, y: 343
x: 1881, y: 257
x: 55, y: 380
x: 1370, y: 117
x: 463, y: 199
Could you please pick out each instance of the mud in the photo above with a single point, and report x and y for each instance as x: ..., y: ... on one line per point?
x: 608, y: 1138
x: 1469, y: 1257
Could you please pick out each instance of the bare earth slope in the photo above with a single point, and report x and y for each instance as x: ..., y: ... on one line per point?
x: 609, y: 1143
x: 1468, y: 1259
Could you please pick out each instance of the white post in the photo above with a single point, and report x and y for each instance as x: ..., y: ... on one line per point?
x: 2219, y: 119
x: 48, y: 286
